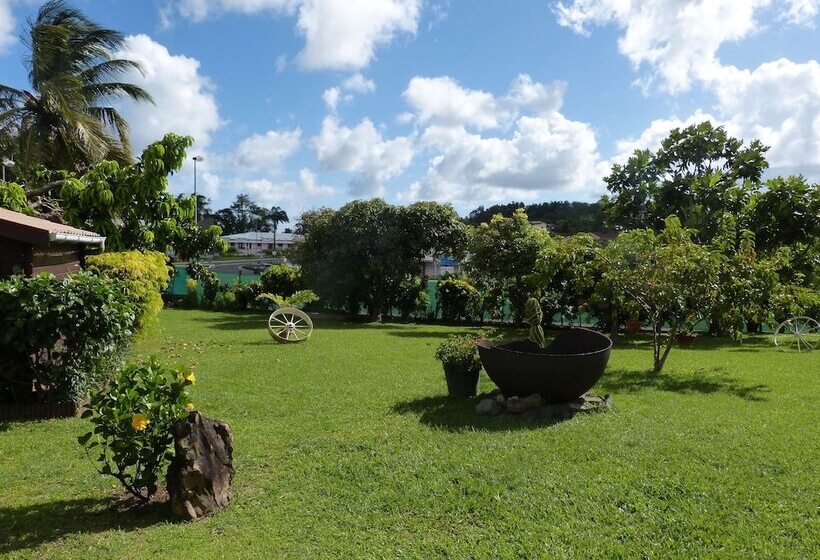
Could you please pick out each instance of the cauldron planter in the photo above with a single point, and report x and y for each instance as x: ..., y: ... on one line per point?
x: 561, y: 372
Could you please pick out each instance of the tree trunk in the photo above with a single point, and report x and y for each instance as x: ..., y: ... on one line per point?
x: 613, y: 326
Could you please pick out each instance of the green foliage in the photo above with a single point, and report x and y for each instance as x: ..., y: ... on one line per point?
x: 297, y: 300
x: 59, y: 338
x: 192, y: 241
x: 459, y: 354
x: 747, y: 282
x: 207, y: 279
x: 564, y: 275
x: 144, y: 277
x: 13, y: 197
x: 506, y: 250
x: 65, y: 119
x: 133, y: 419
x: 360, y: 253
x: 454, y: 297
x: 533, y: 317
x: 192, y: 297
x: 791, y: 300
x: 698, y: 173
x: 281, y: 279
x: 412, y: 296
x: 566, y: 217
x: 669, y: 277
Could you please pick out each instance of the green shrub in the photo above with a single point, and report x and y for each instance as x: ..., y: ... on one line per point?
x: 246, y: 295
x: 144, y: 275
x: 412, y: 296
x: 454, y: 296
x: 61, y: 338
x: 13, y: 197
x: 281, y: 279
x: 192, y: 299
x: 458, y: 354
x: 133, y: 419
x: 207, y: 279
x: 297, y: 300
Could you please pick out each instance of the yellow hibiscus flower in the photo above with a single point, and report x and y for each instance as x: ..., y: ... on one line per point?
x: 190, y: 378
x: 139, y: 421
x: 189, y: 407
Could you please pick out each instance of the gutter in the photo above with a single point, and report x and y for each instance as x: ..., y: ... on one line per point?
x: 74, y: 238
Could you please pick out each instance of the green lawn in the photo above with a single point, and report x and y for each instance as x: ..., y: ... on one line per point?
x: 345, y: 447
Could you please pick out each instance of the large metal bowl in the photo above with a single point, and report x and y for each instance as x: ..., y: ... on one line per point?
x: 561, y: 372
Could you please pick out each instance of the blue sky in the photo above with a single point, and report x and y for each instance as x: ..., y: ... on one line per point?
x: 303, y: 103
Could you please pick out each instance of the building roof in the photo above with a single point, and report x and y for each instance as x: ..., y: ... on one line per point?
x: 40, y: 232
x: 261, y: 237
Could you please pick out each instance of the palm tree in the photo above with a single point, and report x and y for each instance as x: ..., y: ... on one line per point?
x: 276, y: 217
x: 65, y: 120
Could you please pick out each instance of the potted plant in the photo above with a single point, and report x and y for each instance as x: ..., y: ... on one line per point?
x: 459, y: 357
x: 634, y: 323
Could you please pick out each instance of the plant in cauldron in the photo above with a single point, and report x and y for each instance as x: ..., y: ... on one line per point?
x: 561, y: 371
x: 459, y: 357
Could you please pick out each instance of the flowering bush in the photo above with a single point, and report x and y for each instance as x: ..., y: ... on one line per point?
x: 133, y: 419
x: 454, y: 296
x: 459, y: 354
x: 143, y: 275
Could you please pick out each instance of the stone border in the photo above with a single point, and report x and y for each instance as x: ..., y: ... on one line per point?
x: 534, y: 408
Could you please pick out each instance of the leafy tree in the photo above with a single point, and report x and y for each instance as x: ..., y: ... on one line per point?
x: 747, y: 282
x: 411, y: 296
x: 507, y: 249
x: 698, y: 173
x: 455, y: 296
x: 359, y: 254
x: 277, y: 216
x: 667, y: 275
x: 561, y: 273
x: 63, y: 121
x: 562, y: 217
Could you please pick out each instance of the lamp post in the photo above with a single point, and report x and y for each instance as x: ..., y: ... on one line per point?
x: 196, y: 200
x: 6, y: 163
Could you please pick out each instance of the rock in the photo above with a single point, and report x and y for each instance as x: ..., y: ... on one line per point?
x: 518, y: 405
x: 488, y: 406
x: 200, y: 475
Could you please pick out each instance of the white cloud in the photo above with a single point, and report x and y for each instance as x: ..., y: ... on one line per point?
x: 281, y: 63
x: 301, y: 193
x: 653, y: 135
x: 444, y: 102
x: 778, y: 102
x: 678, y: 39
x: 544, y: 152
x: 184, y: 98
x: 364, y: 151
x: 269, y: 150
x: 7, y: 26
x: 331, y: 98
x: 339, y: 34
x: 359, y: 84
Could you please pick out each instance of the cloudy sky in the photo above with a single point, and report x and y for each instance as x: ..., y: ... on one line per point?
x: 304, y: 103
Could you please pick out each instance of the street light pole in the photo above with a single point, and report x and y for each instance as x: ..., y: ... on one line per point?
x: 196, y: 200
x: 6, y: 163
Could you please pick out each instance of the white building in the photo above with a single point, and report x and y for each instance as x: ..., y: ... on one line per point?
x: 260, y: 242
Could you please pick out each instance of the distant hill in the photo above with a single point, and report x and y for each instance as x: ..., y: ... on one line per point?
x: 561, y: 217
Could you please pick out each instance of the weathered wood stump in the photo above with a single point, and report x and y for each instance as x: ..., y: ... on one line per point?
x: 199, y: 477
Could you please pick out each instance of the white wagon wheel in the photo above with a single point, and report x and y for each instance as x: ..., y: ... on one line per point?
x: 798, y: 334
x: 288, y: 324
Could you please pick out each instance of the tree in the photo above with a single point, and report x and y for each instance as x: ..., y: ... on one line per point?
x: 506, y: 250
x: 698, y: 173
x: 63, y: 121
x: 277, y: 216
x: 360, y: 254
x: 561, y: 272
x: 667, y: 275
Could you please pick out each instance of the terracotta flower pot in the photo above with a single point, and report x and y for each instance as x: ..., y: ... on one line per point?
x: 633, y: 326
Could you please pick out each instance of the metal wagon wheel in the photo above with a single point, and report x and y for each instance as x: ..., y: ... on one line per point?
x: 288, y: 324
x: 798, y: 334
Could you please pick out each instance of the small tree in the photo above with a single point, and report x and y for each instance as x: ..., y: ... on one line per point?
x: 670, y: 277
x: 507, y: 249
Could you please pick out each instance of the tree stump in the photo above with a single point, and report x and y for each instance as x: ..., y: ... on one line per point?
x: 199, y: 477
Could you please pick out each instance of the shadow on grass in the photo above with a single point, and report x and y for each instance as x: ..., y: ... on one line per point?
x: 751, y: 343
x: 28, y: 527
x: 445, y: 413
x: 704, y: 381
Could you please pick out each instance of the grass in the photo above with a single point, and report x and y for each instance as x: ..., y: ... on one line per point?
x: 345, y: 447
